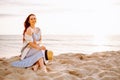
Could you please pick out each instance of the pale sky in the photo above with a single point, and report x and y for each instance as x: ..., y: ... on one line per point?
x: 62, y: 16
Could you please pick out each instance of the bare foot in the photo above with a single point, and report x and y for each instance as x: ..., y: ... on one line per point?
x: 35, y: 67
x: 44, y: 69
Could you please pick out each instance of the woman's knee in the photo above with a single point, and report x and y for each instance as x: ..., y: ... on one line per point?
x: 43, y: 47
x: 41, y: 59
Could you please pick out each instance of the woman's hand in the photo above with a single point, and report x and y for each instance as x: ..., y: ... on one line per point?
x: 42, y: 48
x: 32, y: 44
x: 38, y: 42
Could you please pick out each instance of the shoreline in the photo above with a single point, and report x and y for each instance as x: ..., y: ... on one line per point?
x: 68, y: 66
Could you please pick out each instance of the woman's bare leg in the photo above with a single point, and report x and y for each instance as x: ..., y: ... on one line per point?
x: 35, y: 67
x: 39, y: 63
x: 42, y: 65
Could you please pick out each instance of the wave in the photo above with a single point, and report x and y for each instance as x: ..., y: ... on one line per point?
x: 60, y: 44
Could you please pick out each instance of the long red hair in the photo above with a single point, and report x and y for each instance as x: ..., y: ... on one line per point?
x: 26, y: 24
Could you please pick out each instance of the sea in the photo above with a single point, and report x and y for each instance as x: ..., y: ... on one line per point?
x: 10, y: 45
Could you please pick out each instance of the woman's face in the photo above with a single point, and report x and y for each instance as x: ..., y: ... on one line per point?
x: 32, y: 20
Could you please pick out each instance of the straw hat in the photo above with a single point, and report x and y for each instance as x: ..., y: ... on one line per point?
x: 48, y: 54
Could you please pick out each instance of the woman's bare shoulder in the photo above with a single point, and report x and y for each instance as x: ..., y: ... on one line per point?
x: 29, y: 31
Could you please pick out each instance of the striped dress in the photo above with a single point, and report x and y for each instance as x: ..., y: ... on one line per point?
x: 32, y: 55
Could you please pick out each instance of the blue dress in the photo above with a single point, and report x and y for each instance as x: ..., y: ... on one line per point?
x: 32, y: 55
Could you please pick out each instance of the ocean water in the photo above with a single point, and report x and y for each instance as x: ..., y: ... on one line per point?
x: 10, y: 45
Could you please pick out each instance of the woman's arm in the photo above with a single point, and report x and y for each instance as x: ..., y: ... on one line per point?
x: 32, y: 44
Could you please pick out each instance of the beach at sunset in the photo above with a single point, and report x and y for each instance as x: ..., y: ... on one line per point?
x: 84, y: 36
x: 80, y: 58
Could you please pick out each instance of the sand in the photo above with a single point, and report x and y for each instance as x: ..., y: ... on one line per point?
x: 68, y: 66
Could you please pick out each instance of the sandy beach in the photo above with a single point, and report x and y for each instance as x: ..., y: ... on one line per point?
x: 68, y: 66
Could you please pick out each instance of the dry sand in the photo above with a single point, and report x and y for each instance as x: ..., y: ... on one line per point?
x: 69, y: 66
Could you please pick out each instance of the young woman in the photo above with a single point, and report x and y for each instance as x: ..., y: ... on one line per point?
x: 32, y: 54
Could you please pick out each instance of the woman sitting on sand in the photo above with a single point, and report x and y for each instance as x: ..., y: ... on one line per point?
x: 32, y: 54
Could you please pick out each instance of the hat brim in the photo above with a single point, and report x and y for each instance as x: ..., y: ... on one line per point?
x: 48, y: 55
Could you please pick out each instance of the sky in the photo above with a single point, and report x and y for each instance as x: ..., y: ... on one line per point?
x: 79, y: 17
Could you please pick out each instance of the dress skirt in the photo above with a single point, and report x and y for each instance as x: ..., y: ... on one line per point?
x: 31, y: 58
